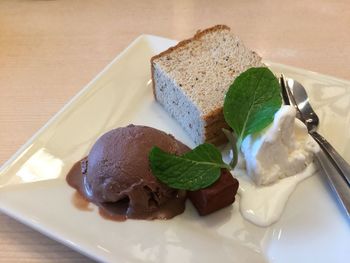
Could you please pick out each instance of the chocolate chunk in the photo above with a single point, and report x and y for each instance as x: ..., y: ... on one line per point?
x: 218, y: 195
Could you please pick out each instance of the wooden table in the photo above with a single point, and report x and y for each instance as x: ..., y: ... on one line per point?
x: 50, y: 49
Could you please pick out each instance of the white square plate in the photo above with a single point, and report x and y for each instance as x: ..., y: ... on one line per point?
x: 34, y: 191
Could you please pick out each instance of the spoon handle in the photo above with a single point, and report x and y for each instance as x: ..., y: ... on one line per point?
x: 337, y: 183
x: 338, y: 162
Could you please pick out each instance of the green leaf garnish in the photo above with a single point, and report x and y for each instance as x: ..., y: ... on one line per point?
x: 194, y: 170
x: 251, y: 102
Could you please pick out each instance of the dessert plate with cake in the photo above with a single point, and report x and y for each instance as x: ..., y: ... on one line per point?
x: 284, y: 210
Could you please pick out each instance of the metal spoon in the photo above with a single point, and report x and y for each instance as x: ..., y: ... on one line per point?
x: 311, y: 120
x: 295, y: 94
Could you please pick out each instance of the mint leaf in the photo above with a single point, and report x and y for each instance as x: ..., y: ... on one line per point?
x: 252, y: 101
x: 194, y: 170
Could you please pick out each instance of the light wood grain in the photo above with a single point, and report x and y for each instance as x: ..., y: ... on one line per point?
x: 50, y: 49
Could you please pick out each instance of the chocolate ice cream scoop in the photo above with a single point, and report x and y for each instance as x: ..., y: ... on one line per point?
x: 117, y: 177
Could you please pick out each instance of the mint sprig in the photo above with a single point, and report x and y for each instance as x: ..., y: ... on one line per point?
x: 232, y: 139
x: 250, y: 105
x: 194, y: 170
x: 251, y: 102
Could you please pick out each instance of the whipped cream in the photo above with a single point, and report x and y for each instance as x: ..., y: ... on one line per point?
x: 264, y: 205
x: 270, y: 166
x: 283, y: 149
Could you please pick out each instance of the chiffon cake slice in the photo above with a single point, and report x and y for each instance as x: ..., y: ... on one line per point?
x: 190, y: 80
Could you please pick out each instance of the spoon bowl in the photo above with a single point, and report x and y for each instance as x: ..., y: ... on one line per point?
x: 301, y: 97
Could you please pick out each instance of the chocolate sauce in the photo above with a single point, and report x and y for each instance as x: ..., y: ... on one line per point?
x: 81, y: 203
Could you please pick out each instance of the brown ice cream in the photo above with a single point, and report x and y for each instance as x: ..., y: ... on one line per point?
x: 116, y: 175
